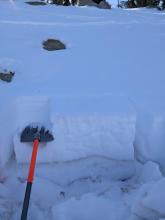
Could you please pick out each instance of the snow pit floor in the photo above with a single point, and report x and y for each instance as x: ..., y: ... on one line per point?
x: 84, y: 198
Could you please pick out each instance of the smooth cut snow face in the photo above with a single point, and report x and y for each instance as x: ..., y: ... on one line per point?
x: 100, y: 129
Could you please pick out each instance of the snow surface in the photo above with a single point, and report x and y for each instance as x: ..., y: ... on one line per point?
x: 101, y: 97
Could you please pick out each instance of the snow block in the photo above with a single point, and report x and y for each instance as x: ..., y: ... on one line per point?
x: 149, y: 172
x: 33, y: 110
x: 106, y: 128
x: 93, y: 137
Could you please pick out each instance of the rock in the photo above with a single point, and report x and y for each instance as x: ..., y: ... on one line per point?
x: 7, y: 76
x: 52, y: 44
x: 57, y: 2
x: 35, y: 3
x: 96, y: 3
x: 104, y: 5
x: 87, y: 2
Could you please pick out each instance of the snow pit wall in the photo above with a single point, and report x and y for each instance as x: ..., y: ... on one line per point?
x: 33, y: 110
x: 16, y: 113
x: 79, y: 133
x: 93, y: 139
x: 7, y: 128
x: 91, y: 169
x: 92, y: 129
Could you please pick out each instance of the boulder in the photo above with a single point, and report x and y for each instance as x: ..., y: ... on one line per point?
x: 7, y: 76
x: 35, y: 3
x: 53, y: 44
x: 96, y: 3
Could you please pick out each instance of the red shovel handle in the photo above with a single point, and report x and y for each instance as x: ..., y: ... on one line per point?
x: 30, y: 180
x: 33, y: 161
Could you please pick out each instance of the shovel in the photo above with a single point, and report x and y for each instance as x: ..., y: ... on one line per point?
x: 34, y: 135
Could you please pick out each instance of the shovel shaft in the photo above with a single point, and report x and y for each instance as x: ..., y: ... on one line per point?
x: 33, y: 161
x: 30, y: 180
x: 26, y: 201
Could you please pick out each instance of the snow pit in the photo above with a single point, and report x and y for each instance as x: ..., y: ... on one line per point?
x: 82, y: 135
x: 102, y: 141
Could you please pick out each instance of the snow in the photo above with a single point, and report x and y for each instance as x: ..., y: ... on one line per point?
x: 108, y: 204
x: 149, y: 203
x: 103, y: 99
x: 150, y: 138
x: 149, y: 172
x: 92, y: 168
x: 88, y: 207
x: 102, y: 129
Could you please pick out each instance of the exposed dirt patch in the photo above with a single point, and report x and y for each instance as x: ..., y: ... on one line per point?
x: 35, y: 3
x: 53, y: 44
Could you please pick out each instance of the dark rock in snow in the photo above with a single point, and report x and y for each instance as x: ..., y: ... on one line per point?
x: 7, y: 76
x: 97, y: 3
x: 35, y: 3
x: 52, y: 44
x: 104, y: 5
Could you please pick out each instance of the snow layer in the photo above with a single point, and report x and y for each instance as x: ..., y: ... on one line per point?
x: 101, y: 129
x: 94, y: 168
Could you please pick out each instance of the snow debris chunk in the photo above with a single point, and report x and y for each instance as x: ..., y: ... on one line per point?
x: 150, y: 172
x: 150, y: 138
x: 150, y: 201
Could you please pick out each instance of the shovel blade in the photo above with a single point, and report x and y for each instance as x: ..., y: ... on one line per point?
x: 30, y: 133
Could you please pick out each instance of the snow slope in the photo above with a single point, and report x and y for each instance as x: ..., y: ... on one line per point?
x: 101, y: 96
